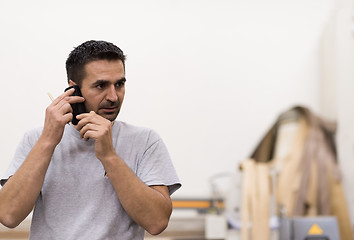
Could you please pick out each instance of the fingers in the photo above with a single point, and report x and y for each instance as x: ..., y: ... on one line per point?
x: 91, y: 125
x: 59, y: 112
x: 66, y: 97
x: 84, y: 118
x: 75, y: 99
x: 87, y: 124
x: 67, y: 117
x: 62, y: 96
x: 89, y: 130
x: 98, y: 128
x: 85, y: 115
x: 62, y: 103
x: 69, y: 100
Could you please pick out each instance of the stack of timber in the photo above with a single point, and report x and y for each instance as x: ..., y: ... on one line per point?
x: 301, y: 150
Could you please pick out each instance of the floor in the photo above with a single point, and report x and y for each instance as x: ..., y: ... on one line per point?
x: 191, y: 228
x: 22, y: 232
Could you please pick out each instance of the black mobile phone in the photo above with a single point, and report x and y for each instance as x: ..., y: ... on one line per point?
x: 78, y: 108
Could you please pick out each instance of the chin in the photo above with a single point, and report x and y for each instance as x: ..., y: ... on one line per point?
x: 110, y: 117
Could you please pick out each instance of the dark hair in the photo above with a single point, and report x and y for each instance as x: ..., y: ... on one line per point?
x: 90, y: 51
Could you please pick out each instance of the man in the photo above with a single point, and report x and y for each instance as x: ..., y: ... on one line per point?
x: 99, y: 179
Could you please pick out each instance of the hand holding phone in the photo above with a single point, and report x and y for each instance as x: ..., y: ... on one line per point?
x: 78, y: 108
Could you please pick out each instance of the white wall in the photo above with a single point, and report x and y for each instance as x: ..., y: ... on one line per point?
x: 209, y: 76
x: 340, y: 43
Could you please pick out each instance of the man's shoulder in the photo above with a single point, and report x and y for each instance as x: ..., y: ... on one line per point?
x: 33, y: 133
x: 130, y: 130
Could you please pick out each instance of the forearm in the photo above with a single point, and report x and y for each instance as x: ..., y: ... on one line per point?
x: 21, y: 191
x: 150, y: 207
x: 19, y: 194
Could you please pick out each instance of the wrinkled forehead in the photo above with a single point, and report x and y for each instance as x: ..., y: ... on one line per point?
x: 104, y: 70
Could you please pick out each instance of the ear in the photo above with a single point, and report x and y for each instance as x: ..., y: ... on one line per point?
x: 71, y: 83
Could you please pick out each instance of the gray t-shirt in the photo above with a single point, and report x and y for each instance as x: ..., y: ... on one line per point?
x: 77, y: 201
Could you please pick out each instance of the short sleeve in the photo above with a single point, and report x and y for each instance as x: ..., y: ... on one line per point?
x: 155, y: 166
x: 23, y: 149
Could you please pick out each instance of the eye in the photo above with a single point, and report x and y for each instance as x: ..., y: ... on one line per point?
x: 120, y: 83
x: 100, y: 85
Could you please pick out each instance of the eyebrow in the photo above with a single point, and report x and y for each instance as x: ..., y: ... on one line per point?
x: 122, y: 80
x: 101, y: 81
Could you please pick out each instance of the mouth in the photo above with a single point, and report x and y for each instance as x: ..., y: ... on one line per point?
x: 109, y: 110
x: 109, y: 107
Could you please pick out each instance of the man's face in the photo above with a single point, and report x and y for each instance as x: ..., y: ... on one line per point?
x: 104, y: 87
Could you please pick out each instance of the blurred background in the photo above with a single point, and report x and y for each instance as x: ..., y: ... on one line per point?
x: 210, y: 76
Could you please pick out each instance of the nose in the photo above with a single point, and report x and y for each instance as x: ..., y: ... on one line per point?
x: 112, y: 95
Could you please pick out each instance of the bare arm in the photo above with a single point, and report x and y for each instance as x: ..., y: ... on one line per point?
x: 150, y: 207
x: 19, y: 194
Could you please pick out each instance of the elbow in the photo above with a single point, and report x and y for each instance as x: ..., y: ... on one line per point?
x: 158, y: 227
x: 9, y: 221
x: 8, y: 217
